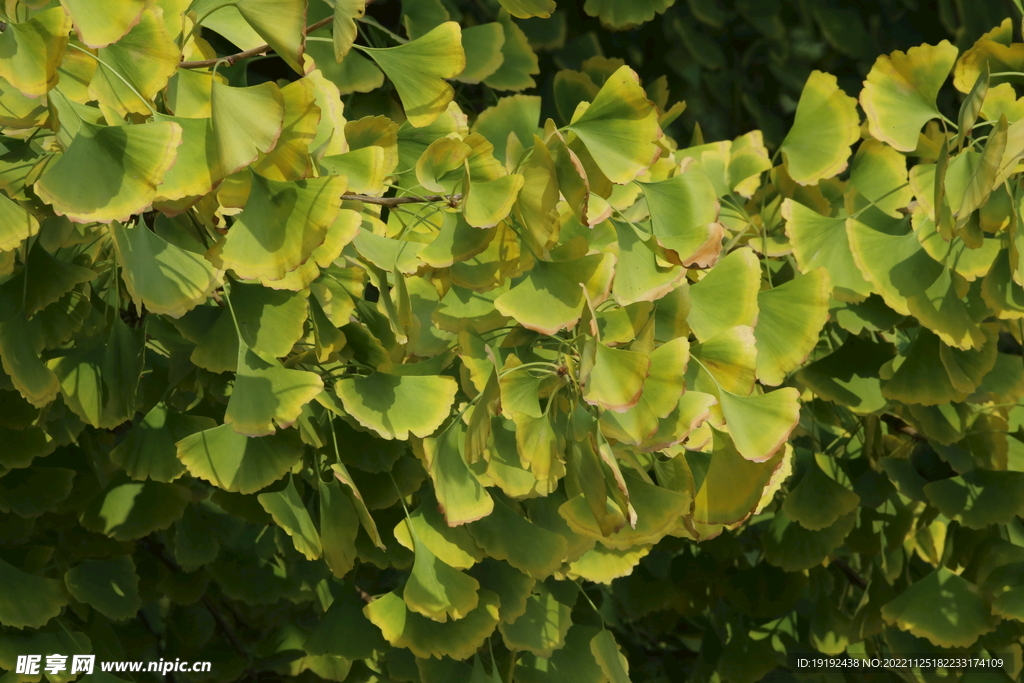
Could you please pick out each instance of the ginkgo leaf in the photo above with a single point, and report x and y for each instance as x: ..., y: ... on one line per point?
x: 603, y: 565
x: 730, y: 357
x: 394, y: 405
x: 979, y: 498
x: 418, y: 68
x: 452, y: 545
x: 795, y: 548
x: 614, y: 377
x: 573, y: 662
x: 505, y: 535
x: 790, y: 317
x: 246, y: 121
x: 683, y: 210
x: 620, y: 127
x: 425, y: 637
x: 280, y: 227
x: 878, y: 174
x: 29, y: 601
x: 146, y: 57
x: 827, y: 125
x: 624, y: 14
x: 727, y: 296
x: 238, y: 463
x: 290, y: 513
x: 482, y: 45
x: 733, y: 485
x: 339, y: 527
x: 148, y: 451
x: 165, y: 278
x: 818, y: 501
x: 128, y: 510
x: 488, y: 203
x: 291, y: 159
x: 519, y: 63
x: 109, y: 586
x: 20, y: 344
x: 110, y: 173
x: 197, y: 167
x: 821, y: 241
x: 542, y: 627
x: 99, y: 23
x: 281, y: 23
x: 760, y: 424
x: 640, y: 276
x: 849, y: 376
x: 267, y: 394
x: 900, y: 92
x: 524, y: 9
x: 943, y: 607
x: 552, y: 296
x: 609, y: 657
x: 346, y: 13
x: 438, y: 591
x: 32, y: 51
x: 461, y: 497
x: 60, y: 277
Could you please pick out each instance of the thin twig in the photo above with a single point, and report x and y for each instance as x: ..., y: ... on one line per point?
x: 239, y: 56
x: 231, y: 59
x: 851, y: 575
x: 396, y: 201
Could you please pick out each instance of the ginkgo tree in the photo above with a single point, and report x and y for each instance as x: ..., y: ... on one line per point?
x: 326, y: 376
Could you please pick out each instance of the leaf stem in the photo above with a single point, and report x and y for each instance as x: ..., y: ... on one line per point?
x: 239, y: 56
x: 122, y: 78
x: 196, y: 26
x: 397, y: 201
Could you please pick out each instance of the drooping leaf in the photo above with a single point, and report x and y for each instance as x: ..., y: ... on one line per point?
x: 267, y: 394
x: 281, y: 23
x: 437, y: 590
x: 733, y: 485
x: 149, y: 452
x: 524, y: 9
x: 943, y: 607
x: 542, y: 627
x: 461, y: 497
x: 978, y: 498
x: 519, y: 63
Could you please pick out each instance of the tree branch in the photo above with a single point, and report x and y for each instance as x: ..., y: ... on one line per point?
x: 231, y: 59
x: 851, y: 575
x: 239, y: 56
x: 397, y: 201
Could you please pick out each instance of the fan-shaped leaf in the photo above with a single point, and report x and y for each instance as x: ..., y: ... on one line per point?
x: 614, y: 377
x: 624, y: 14
x: 518, y: 61
x: 238, y: 463
x: 943, y: 607
x: 826, y: 126
x: 128, y: 510
x: 109, y: 586
x: 733, y: 485
x: 99, y: 23
x: 28, y: 601
x: 436, y: 590
x: 267, y: 394
x: 33, y: 50
x: 394, y: 405
x: 789, y: 320
x: 542, y: 627
x: 551, y: 296
x: 282, y: 24
x: 818, y: 501
x: 727, y: 296
x: 820, y: 241
x: 505, y: 535
x: 246, y: 121
x: 149, y: 452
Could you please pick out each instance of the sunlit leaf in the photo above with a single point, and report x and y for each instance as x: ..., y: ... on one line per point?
x: 826, y: 126
x: 239, y: 463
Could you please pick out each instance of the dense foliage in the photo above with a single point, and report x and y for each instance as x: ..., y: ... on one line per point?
x: 357, y: 361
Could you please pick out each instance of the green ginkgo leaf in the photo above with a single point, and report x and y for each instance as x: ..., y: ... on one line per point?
x: 418, y: 68
x: 614, y: 378
x: 109, y: 173
x: 624, y: 14
x: 524, y: 9
x: 760, y: 424
x: 609, y: 657
x: 900, y: 92
x: 919, y: 374
x: 197, y: 168
x: 280, y: 227
x: 16, y: 224
x: 790, y: 317
x: 827, y: 125
x: 662, y: 389
x: 821, y: 241
x: 54, y: 279
x: 505, y: 535
x: 99, y: 23
x: 291, y: 157
x: 346, y: 13
x: 488, y: 203
x: 148, y: 451
x: 461, y: 497
x: 512, y: 586
x: 282, y: 24
x: 20, y: 344
x: 727, y: 296
x: 159, y: 275
x: 551, y: 297
x: 730, y: 357
x: 943, y: 607
x: 33, y: 50
x: 482, y: 45
x: 979, y: 498
x: 33, y: 491
x: 425, y: 637
x: 441, y: 167
x: 519, y: 63
x: 603, y: 565
x: 246, y: 122
x: 290, y: 513
x: 128, y: 510
x: 879, y: 174
x: 792, y: 547
x: 542, y: 627
x: 394, y: 405
x: 29, y: 601
x: 267, y: 394
x: 452, y: 545
x: 818, y: 501
x: 732, y: 485
x: 109, y: 586
x: 146, y: 57
x: 438, y: 591
x: 639, y: 275
x: 344, y: 630
x: 339, y: 526
x: 620, y: 127
x: 238, y: 463
x: 849, y: 376
x: 573, y: 663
